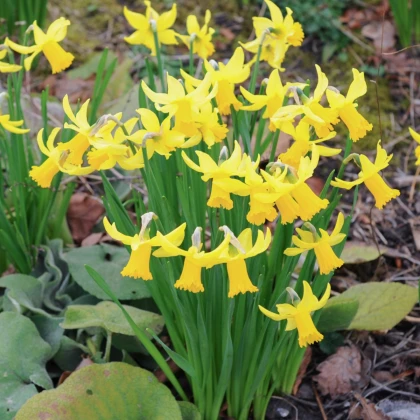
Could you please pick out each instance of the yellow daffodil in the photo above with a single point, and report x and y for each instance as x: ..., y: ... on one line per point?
x: 321, y: 118
x: 280, y: 28
x: 275, y: 35
x: 47, y: 43
x: 303, y: 144
x: 273, y: 99
x: 12, y: 126
x: 292, y: 195
x: 369, y: 175
x: 44, y: 173
x: 199, y: 38
x: 156, y: 137
x: 141, y: 244
x: 223, y: 185
x: 205, y: 126
x: 358, y: 126
x: 195, y: 259
x: 110, y: 150
x: 87, y: 133
x: 259, y: 211
x: 56, y: 161
x: 240, y: 249
x: 416, y: 137
x: 177, y: 102
x: 272, y: 51
x: 224, y: 76
x: 6, y: 67
x: 151, y: 21
x: 298, y: 315
x: 309, y: 239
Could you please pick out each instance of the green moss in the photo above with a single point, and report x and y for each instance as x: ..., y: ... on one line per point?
x: 90, y: 25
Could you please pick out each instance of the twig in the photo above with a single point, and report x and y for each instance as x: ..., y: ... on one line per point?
x: 413, y: 186
x: 412, y: 318
x: 319, y: 402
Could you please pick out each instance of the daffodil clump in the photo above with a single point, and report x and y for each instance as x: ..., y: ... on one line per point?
x: 214, y: 234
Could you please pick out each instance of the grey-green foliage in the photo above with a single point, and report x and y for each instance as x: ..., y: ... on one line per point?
x: 23, y: 355
x: 108, y: 260
x: 111, y: 391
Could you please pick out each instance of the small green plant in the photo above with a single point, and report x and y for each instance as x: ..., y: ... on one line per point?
x: 320, y: 18
x: 22, y: 12
x: 407, y: 18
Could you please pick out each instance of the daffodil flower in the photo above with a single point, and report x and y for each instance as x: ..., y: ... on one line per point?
x: 223, y: 185
x: 259, y: 211
x: 272, y: 51
x: 273, y: 99
x: 205, y: 126
x: 56, y: 161
x: 283, y: 29
x: 322, y: 245
x: 303, y: 144
x: 292, y: 195
x: 141, y: 244
x: 241, y: 248
x: 416, y: 137
x: 199, y: 38
x: 87, y: 134
x: 358, y: 126
x: 110, y: 150
x: 7, y: 67
x: 369, y: 175
x: 156, y: 137
x: 275, y: 35
x: 177, y: 102
x: 195, y: 259
x: 298, y: 315
x: 12, y: 126
x: 224, y: 76
x: 47, y: 43
x: 151, y: 21
x: 321, y: 118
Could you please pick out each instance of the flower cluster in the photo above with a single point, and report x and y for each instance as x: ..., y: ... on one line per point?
x: 195, y: 112
x: 274, y: 36
x: 232, y: 251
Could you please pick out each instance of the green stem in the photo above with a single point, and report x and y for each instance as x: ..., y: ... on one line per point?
x: 191, y: 68
x: 256, y: 68
x: 158, y: 56
x: 108, y: 346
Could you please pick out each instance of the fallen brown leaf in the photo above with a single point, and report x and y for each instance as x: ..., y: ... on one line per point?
x: 76, y: 89
x: 307, y: 357
x: 383, y: 376
x: 365, y: 410
x: 82, y: 215
x: 93, y: 239
x: 227, y: 33
x: 382, y: 34
x: 86, y: 361
x: 340, y: 372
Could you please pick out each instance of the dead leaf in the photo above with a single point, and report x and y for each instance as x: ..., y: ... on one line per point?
x: 86, y: 361
x: 365, y: 410
x: 307, y: 357
x: 92, y: 239
x: 9, y: 270
x: 340, y: 372
x: 383, y: 376
x: 382, y: 34
x: 227, y: 33
x: 77, y: 89
x: 83, y: 213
